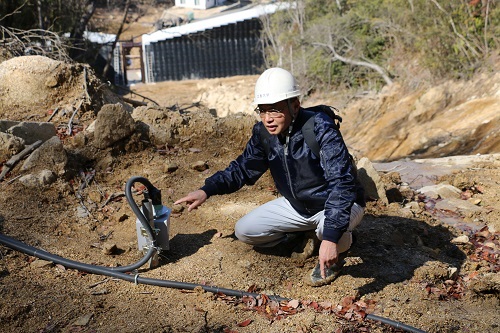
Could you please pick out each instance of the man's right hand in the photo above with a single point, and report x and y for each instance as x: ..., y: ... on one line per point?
x: 194, y: 199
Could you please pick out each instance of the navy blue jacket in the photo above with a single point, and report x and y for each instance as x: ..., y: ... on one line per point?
x: 311, y: 183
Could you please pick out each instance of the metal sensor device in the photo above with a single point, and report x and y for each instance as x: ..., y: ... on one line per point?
x: 159, y: 220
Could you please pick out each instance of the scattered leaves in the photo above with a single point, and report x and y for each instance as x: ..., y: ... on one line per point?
x: 350, y: 309
x: 450, y: 289
x: 487, y: 248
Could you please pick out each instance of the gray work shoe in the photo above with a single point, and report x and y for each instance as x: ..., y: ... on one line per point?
x: 314, y: 279
x: 309, y: 244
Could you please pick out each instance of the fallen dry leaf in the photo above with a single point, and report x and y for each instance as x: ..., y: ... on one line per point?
x: 245, y: 323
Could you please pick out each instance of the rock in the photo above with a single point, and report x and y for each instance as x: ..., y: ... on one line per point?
x: 176, y: 209
x: 9, y: 146
x: 46, y: 177
x: 31, y: 132
x: 40, y: 263
x: 113, y: 123
x: 486, y: 284
x: 109, y: 248
x: 454, y: 204
x: 452, y: 273
x: 50, y: 155
x: 474, y: 201
x: 406, y: 213
x: 414, y: 207
x: 77, y: 141
x: 83, y: 320
x: 147, y: 117
x: 464, y: 239
x: 445, y: 191
x: 170, y: 167
x: 29, y: 181
x: 371, y: 181
x: 95, y: 196
x: 105, y: 163
x: 199, y: 166
x: 244, y: 264
x: 81, y: 212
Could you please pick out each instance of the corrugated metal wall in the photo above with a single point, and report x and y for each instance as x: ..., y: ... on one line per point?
x: 229, y: 50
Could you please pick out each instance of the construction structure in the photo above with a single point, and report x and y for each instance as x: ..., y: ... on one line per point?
x: 227, y: 44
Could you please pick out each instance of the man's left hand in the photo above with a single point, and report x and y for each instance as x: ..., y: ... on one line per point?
x: 328, y: 255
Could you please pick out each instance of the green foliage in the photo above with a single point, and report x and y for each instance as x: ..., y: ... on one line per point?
x: 449, y: 38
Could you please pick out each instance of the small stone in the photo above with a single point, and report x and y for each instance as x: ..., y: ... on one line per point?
x: 170, y: 167
x: 244, y: 264
x: 452, y: 272
x: 81, y: 212
x: 176, y: 209
x: 83, y: 320
x: 40, y: 263
x: 120, y: 217
x: 414, y: 207
x: 109, y: 248
x: 491, y: 245
x: 95, y: 196
x: 464, y: 239
x: 200, y: 166
x: 474, y: 201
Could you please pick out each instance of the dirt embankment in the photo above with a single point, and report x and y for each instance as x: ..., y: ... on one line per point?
x: 410, y: 263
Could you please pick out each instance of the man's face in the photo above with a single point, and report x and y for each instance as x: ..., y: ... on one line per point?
x: 276, y: 117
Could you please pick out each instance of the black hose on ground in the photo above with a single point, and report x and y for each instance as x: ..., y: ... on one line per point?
x: 393, y: 323
x: 107, y: 271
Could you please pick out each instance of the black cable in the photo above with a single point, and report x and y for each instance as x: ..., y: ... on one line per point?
x: 100, y: 270
x: 393, y: 323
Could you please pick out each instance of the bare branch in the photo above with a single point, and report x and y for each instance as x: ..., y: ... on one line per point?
x: 16, y: 11
x: 34, y: 41
x: 460, y: 36
x: 370, y: 65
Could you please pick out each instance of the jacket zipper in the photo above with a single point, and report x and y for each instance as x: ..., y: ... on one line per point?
x: 285, y: 149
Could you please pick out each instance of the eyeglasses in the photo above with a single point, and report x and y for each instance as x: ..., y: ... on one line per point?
x: 273, y: 113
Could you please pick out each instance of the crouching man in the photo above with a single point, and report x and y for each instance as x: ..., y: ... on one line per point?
x: 318, y: 193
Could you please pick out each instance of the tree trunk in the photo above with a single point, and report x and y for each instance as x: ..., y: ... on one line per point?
x: 110, y: 54
x: 79, y: 28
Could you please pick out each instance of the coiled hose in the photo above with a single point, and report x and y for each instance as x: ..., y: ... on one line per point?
x: 119, y: 272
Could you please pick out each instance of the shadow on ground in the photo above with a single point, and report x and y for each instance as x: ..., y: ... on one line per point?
x: 392, y: 248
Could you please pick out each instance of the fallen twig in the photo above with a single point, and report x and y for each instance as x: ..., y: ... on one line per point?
x: 13, y: 179
x: 70, y: 122
x: 16, y: 158
x: 53, y: 114
x: 85, y: 84
x: 111, y: 197
x: 134, y: 102
x: 98, y: 283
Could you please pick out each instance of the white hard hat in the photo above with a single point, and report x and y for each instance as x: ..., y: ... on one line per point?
x: 274, y: 85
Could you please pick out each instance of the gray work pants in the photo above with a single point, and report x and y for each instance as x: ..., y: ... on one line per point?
x: 267, y: 225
